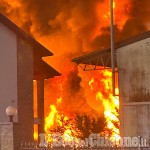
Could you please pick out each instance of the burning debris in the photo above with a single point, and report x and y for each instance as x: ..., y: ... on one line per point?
x: 77, y: 125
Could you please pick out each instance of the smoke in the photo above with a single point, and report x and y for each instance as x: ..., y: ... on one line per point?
x: 138, y: 21
x: 70, y: 28
x: 70, y: 91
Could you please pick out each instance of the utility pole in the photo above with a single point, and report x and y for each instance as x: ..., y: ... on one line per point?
x: 112, y: 47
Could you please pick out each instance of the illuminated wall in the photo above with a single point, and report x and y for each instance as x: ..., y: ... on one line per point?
x: 134, y: 88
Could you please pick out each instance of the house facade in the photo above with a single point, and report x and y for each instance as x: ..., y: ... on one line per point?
x: 21, y: 63
x: 134, y: 87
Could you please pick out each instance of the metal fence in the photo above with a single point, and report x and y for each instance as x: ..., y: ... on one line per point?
x: 146, y: 148
x: 35, y: 147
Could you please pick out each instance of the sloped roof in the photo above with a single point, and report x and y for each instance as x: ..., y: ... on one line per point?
x: 41, y: 69
x: 103, y: 57
x: 36, y: 45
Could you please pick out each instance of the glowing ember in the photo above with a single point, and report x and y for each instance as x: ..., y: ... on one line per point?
x: 90, y: 83
x: 114, y: 4
x: 36, y: 132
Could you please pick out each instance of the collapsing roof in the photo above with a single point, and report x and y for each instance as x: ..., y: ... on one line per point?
x: 41, y: 69
x: 103, y: 57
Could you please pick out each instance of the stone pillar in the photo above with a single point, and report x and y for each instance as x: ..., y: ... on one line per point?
x: 25, y: 89
x: 40, y: 104
x: 9, y: 136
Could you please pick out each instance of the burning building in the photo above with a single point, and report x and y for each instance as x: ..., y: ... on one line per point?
x: 21, y: 63
x: 72, y: 28
x: 132, y: 64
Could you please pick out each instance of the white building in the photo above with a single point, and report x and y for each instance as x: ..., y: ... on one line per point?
x: 133, y: 65
x: 21, y: 63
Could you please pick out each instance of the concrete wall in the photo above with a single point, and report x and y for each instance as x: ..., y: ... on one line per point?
x: 136, y: 120
x: 9, y: 136
x: 134, y: 71
x: 8, y: 71
x: 6, y: 136
x: 134, y: 88
x: 16, y: 80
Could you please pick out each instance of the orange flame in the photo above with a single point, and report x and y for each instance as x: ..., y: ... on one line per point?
x: 49, y: 121
x: 54, y: 120
x: 120, y: 18
x: 74, y: 23
x: 110, y: 103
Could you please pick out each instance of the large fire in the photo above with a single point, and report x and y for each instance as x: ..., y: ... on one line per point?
x: 109, y: 103
x: 111, y: 106
x: 69, y: 29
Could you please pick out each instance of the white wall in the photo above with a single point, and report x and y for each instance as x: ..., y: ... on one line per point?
x: 134, y: 69
x: 134, y: 88
x: 8, y: 70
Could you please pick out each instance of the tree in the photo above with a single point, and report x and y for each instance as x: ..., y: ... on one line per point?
x: 85, y: 125
x: 80, y: 126
x: 98, y: 124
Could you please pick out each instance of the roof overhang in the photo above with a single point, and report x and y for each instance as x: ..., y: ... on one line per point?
x: 103, y: 57
x: 43, y: 71
x: 97, y: 58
